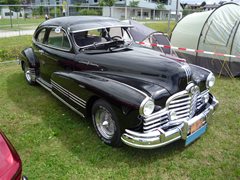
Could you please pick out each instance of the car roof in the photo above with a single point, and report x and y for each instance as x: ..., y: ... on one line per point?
x: 83, y: 23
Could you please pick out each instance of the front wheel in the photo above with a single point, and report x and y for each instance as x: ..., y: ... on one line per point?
x: 30, y: 74
x: 106, y: 123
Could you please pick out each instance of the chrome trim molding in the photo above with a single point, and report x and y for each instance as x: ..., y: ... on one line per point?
x: 39, y: 81
x: 64, y: 102
x: 141, y: 108
x: 187, y: 70
x: 69, y: 94
x: 160, y: 137
x: 50, y: 46
x: 67, y: 104
x: 102, y: 27
x: 207, y: 81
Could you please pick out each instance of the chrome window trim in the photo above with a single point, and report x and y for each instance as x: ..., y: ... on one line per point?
x: 100, y: 27
x: 73, y: 32
x: 53, y: 47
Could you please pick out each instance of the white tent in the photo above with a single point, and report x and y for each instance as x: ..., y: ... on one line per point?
x: 215, y: 31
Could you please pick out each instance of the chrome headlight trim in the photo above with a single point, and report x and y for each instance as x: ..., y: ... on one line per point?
x: 210, y: 80
x: 147, y: 107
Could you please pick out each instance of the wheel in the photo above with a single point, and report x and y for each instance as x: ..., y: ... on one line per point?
x: 30, y: 74
x: 106, y: 123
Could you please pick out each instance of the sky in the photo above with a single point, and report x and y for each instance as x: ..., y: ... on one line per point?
x: 200, y: 1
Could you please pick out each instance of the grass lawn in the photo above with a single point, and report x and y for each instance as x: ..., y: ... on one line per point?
x: 7, y: 22
x: 20, y: 24
x: 11, y: 47
x: 161, y: 26
x: 15, y: 22
x: 56, y: 143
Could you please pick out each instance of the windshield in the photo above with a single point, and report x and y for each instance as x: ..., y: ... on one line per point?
x: 95, y: 37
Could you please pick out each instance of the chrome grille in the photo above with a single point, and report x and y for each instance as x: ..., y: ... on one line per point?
x: 183, y: 103
x: 155, y: 121
x: 193, y: 104
x: 200, y: 103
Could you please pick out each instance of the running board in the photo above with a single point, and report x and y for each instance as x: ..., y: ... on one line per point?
x: 48, y: 86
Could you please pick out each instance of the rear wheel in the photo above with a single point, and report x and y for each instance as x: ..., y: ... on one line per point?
x: 30, y: 74
x: 106, y: 123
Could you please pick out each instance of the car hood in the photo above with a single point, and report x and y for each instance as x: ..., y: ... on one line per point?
x: 141, y: 64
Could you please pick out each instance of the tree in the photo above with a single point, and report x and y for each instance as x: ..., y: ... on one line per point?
x: 108, y: 3
x: 12, y: 8
x: 14, y: 2
x: 133, y: 3
x: 163, y: 1
x: 160, y: 5
x: 203, y: 4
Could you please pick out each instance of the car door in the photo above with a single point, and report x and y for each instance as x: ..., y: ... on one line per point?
x: 55, y: 53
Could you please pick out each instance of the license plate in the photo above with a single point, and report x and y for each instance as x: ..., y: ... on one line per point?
x: 196, y: 134
x: 195, y: 126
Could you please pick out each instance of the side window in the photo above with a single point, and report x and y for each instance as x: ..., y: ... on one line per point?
x: 40, y: 36
x: 57, y: 38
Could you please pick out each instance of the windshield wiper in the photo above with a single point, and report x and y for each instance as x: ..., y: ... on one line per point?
x: 91, y: 46
x: 111, y: 45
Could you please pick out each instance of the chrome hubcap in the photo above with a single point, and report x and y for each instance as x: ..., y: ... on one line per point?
x: 105, y: 124
x: 28, y: 75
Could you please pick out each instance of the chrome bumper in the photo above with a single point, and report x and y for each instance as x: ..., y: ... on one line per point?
x: 160, y: 138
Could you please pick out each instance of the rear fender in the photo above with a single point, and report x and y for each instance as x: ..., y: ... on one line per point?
x: 29, y: 57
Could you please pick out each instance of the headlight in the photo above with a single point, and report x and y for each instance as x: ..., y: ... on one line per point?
x: 147, y: 107
x: 210, y: 80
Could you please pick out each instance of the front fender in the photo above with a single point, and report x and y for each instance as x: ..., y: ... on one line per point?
x: 199, y: 76
x: 125, y: 99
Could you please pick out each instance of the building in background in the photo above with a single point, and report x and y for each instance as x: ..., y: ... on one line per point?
x: 122, y: 9
x: 146, y: 9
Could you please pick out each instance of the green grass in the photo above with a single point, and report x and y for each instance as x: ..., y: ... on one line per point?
x: 161, y: 26
x: 11, y: 47
x: 55, y: 143
x: 21, y: 21
x: 20, y: 24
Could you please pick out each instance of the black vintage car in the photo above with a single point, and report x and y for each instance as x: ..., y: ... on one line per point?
x: 132, y: 94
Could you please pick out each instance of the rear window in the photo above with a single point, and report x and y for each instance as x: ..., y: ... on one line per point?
x: 40, y: 36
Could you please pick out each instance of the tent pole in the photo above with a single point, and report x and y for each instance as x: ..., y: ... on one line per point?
x: 177, y: 11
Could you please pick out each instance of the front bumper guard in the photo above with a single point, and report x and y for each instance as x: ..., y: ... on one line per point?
x: 160, y: 138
